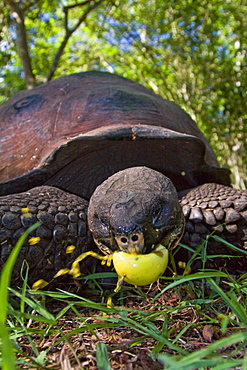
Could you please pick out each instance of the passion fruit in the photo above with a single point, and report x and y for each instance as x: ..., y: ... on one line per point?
x: 141, y: 269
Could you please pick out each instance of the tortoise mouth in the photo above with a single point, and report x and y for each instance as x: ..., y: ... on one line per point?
x: 142, y: 241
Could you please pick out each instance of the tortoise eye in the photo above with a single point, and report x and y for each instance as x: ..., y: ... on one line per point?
x: 134, y: 238
x: 161, y: 215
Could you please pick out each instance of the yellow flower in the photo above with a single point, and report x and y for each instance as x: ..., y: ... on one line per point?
x: 75, y: 270
x: 187, y: 271
x: 61, y: 272
x: 39, y: 284
x: 182, y: 264
x: 70, y: 249
x: 34, y: 240
x: 26, y: 212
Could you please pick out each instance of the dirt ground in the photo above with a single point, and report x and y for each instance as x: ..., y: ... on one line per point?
x: 127, y: 348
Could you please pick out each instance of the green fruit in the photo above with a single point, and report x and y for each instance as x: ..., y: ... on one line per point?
x: 141, y: 269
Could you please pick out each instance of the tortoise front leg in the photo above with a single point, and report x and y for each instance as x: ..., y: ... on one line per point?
x: 61, y: 237
x: 223, y: 210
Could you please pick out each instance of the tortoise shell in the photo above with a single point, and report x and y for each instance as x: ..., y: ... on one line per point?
x: 77, y: 130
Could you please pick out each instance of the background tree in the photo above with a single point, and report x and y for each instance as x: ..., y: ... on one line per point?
x: 192, y: 52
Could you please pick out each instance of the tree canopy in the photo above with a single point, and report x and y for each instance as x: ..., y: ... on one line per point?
x: 192, y: 52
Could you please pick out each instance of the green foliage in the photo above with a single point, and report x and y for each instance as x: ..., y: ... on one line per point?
x: 144, y: 321
x: 192, y: 52
x: 8, y: 361
x: 102, y: 357
x: 206, y: 357
x: 195, y: 54
x: 225, y: 309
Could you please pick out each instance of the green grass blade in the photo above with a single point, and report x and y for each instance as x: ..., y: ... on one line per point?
x: 206, y: 357
x: 35, y: 305
x: 169, y: 361
x: 181, y: 280
x: 231, y: 246
x: 155, y: 334
x: 100, y: 275
x: 226, y: 365
x: 25, y: 315
x: 202, y: 353
x: 102, y: 357
x: 245, y: 363
x: 8, y: 358
x: 232, y: 302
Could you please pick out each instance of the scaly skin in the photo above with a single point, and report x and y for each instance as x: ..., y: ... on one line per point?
x: 64, y: 223
x: 63, y: 218
x: 221, y: 208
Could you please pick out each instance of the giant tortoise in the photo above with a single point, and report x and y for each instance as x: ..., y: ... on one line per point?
x: 102, y: 138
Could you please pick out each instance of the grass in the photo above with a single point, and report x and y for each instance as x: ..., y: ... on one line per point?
x: 190, y: 322
x: 8, y: 359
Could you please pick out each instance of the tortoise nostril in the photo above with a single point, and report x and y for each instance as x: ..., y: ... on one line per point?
x: 135, y: 238
x: 124, y: 240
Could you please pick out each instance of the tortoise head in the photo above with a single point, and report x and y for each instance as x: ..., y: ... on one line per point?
x: 134, y: 210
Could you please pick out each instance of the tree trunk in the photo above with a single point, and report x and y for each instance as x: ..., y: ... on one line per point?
x: 21, y: 41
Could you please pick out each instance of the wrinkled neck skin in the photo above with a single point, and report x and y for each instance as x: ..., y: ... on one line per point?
x: 134, y: 210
